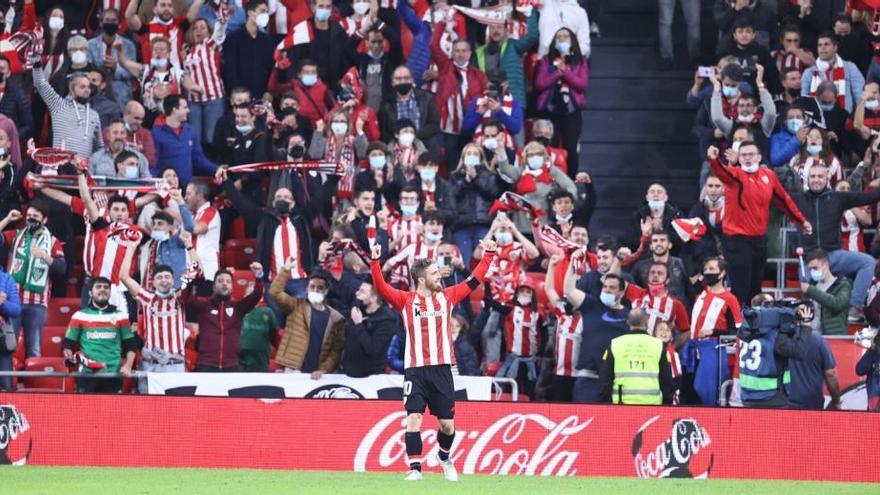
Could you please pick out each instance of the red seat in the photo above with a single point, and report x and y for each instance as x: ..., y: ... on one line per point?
x: 236, y: 229
x: 53, y: 337
x: 239, y: 253
x: 75, y: 281
x: 60, y: 310
x: 48, y: 383
x: 240, y: 281
x: 79, y: 243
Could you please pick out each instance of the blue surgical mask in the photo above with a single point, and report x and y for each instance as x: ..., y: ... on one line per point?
x: 729, y: 91
x: 427, y: 174
x: 563, y: 47
x: 656, y: 204
x: 817, y: 275
x: 503, y: 238
x: 244, y: 129
x: 159, y: 63
x: 827, y: 107
x: 814, y: 149
x: 535, y: 162
x: 409, y: 210
x: 794, y: 125
x: 433, y: 237
x: 607, y: 299
x: 872, y: 104
x: 377, y: 162
x: 132, y: 172
x: 309, y: 79
x: 472, y: 160
x: 160, y: 235
x: 322, y: 15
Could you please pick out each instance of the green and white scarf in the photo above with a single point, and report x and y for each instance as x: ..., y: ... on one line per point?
x: 30, y: 272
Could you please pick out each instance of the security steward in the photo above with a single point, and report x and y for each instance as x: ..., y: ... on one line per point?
x: 634, y: 368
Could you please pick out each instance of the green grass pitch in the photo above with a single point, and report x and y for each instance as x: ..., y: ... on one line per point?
x: 138, y: 481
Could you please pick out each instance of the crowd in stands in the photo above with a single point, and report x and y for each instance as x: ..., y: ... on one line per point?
x: 446, y: 128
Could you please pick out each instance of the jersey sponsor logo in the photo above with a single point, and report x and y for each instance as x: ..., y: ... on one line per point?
x: 421, y: 313
x: 683, y: 453
x: 610, y: 319
x: 16, y: 443
x: 334, y: 392
x: 229, y: 312
x: 98, y: 335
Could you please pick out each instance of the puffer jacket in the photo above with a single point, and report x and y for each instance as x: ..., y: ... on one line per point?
x: 468, y: 203
x: 295, y: 342
x: 835, y: 305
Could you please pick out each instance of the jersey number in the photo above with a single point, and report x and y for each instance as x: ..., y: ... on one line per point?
x: 407, y: 389
x: 750, y: 355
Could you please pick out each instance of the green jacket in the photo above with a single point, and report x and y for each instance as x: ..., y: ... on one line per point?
x: 511, y: 62
x: 835, y: 305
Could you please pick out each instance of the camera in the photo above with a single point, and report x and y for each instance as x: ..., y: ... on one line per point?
x: 784, y: 316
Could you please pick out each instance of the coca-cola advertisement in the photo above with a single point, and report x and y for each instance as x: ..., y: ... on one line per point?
x: 500, y: 438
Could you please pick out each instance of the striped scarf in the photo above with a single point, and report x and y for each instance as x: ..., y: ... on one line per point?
x: 506, y: 105
x: 344, y: 155
x: 834, y: 73
x: 786, y: 60
x: 30, y: 272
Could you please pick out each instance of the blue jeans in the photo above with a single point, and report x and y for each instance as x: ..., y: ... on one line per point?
x: 691, y: 10
x: 32, y: 319
x: 857, y: 266
x: 6, y: 365
x: 296, y: 288
x: 873, y: 72
x: 203, y: 116
x: 586, y: 390
x: 467, y: 239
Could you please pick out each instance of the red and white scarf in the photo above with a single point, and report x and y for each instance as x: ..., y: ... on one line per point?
x: 785, y: 60
x: 506, y: 104
x: 528, y: 181
x: 714, y: 213
x: 405, y: 158
x: 343, y: 155
x: 834, y: 73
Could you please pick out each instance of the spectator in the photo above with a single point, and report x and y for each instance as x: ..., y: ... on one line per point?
x: 453, y: 271
x: 710, y: 210
x: 745, y: 221
x: 327, y: 42
x: 664, y: 332
x: 830, y: 66
x: 854, y: 43
x: 829, y: 115
x: 493, y: 138
x: 691, y: 11
x: 376, y: 66
x: 761, y: 12
x: 220, y: 321
x: 785, y: 143
x: 793, y: 55
x: 368, y: 334
x: 15, y: 104
x: 751, y: 54
x: 178, y: 145
x: 159, y: 78
x: 503, y: 53
x: 206, y: 232
x: 411, y: 103
x: 104, y: 53
x: 434, y: 189
x: 103, y: 333
x: 659, y: 303
x: 567, y: 338
x: 163, y: 24
x: 791, y: 93
x: 102, y: 99
x: 138, y: 137
x: 343, y: 142
x: 168, y: 245
x: 543, y: 132
x: 104, y: 161
x: 522, y: 340
x: 658, y: 211
x: 809, y: 19
x: 816, y: 151
x: 810, y: 374
x: 466, y: 361
x: 497, y: 104
x: 259, y: 332
x: 747, y: 115
x: 77, y: 61
x: 315, y: 97
x: 247, y: 54
x: 314, y: 336
x: 869, y: 367
x: 213, y: 13
x: 10, y: 311
x: 203, y: 63
x: 830, y: 295
x: 853, y: 224
x: 561, y: 80
x: 866, y: 117
x: 170, y: 205
x: 563, y: 14
x: 359, y: 218
x: 224, y: 130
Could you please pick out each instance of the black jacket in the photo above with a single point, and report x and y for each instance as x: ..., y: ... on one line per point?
x: 824, y: 211
x: 366, y: 345
x: 468, y: 203
x: 466, y: 356
x: 17, y: 106
x: 670, y: 213
x: 429, y: 116
x: 248, y: 61
x: 331, y: 49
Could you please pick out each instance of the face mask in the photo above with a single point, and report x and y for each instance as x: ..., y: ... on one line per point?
x: 78, y: 57
x: 163, y: 293
x: 535, y: 162
x: 729, y: 91
x: 297, y: 151
x: 817, y: 276
x: 462, y: 65
x: 750, y: 169
x: 160, y: 235
x: 427, y: 174
x: 872, y: 104
x: 409, y: 210
x: 793, y: 92
x: 82, y: 100
x: 711, y: 278
x: 471, y: 160
x: 56, y: 23
x: 438, y: 16
x: 735, y: 146
x: 434, y: 237
x: 563, y: 47
x: 244, y: 129
x: 656, y: 289
x: 375, y: 56
x: 403, y: 88
x: 406, y: 139
x: 159, y: 63
x: 656, y: 204
x: 309, y: 79
x: 360, y: 7
x: 316, y: 297
x: 564, y: 218
x: 33, y: 225
x: 607, y: 299
x: 524, y: 300
x: 814, y: 149
x: 377, y: 162
x: 544, y: 141
x: 131, y: 172
x: 128, y: 127
x: 503, y: 238
x: 339, y: 127
x: 281, y: 206
x: 745, y: 118
x: 322, y: 15
x: 262, y: 20
x: 827, y: 107
x: 490, y: 143
x: 110, y: 29
x: 794, y: 125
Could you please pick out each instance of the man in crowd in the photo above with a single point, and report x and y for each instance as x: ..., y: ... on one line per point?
x: 178, y: 145
x: 103, y: 162
x: 830, y: 295
x: 368, y: 334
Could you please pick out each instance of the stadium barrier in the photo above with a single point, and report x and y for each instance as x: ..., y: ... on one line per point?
x: 493, y: 437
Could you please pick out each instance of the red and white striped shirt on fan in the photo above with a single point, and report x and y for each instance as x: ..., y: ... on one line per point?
x: 852, y: 234
x: 174, y: 31
x: 507, y: 272
x: 202, y: 64
x: 102, y: 255
x: 285, y: 245
x: 26, y: 296
x: 521, y: 331
x: 665, y: 308
x: 207, y: 244
x: 426, y: 319
x: 163, y: 321
x: 568, y: 340
x: 720, y: 313
x: 404, y: 259
x: 405, y: 231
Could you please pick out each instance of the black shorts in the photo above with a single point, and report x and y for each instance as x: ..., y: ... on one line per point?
x: 432, y: 386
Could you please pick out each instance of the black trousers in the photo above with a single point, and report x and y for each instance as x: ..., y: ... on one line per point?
x: 568, y: 131
x: 746, y: 259
x: 98, y: 385
x: 560, y: 388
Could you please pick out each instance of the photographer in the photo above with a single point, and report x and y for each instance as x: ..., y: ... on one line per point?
x: 771, y: 334
x: 830, y: 295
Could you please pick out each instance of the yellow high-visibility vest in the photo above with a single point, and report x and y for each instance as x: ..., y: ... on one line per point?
x: 636, y: 369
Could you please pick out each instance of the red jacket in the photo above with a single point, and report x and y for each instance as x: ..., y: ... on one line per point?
x: 220, y: 325
x: 747, y: 207
x: 315, y: 108
x: 448, y: 78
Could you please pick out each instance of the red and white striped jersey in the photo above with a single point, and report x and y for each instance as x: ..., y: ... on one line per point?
x: 426, y: 319
x: 713, y: 312
x: 452, y: 114
x: 163, y: 321
x: 173, y: 31
x: 852, y: 234
x: 207, y: 245
x: 404, y: 157
x: 284, y: 245
x: 26, y: 296
x: 404, y: 231
x: 568, y: 341
x: 202, y: 65
x: 665, y: 308
x: 404, y: 259
x: 102, y: 255
x: 521, y: 331
x: 507, y: 272
x: 429, y: 192
x: 835, y: 170
x: 173, y: 77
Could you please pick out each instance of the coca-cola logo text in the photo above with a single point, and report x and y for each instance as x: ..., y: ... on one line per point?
x: 15, y: 443
x: 500, y: 448
x: 671, y: 457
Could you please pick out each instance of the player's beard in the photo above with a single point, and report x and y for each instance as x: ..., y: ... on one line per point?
x: 433, y: 287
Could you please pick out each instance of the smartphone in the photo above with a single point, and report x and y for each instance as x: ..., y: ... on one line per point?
x: 447, y: 260
x: 704, y: 71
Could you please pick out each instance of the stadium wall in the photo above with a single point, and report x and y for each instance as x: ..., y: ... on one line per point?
x: 493, y: 437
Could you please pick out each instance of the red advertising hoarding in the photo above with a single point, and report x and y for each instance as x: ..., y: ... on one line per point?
x: 492, y: 437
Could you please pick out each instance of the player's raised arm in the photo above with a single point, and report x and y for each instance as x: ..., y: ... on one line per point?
x: 459, y: 291
x: 393, y: 296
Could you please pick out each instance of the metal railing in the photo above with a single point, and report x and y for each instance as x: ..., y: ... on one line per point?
x: 498, y: 390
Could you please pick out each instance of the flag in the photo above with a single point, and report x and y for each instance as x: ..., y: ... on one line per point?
x: 689, y: 229
x: 550, y: 236
x: 514, y: 202
x: 371, y: 231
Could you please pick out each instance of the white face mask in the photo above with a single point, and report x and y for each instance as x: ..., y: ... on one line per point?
x: 503, y: 238
x: 490, y: 143
x: 339, y: 127
x: 361, y: 7
x: 524, y: 300
x: 56, y: 23
x: 750, y: 168
x: 315, y: 297
x: 406, y: 139
x: 78, y: 57
x: 262, y: 20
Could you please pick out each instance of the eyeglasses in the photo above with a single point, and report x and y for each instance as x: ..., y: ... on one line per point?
x: 748, y: 155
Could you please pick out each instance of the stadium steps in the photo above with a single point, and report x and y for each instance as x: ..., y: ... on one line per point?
x: 636, y: 127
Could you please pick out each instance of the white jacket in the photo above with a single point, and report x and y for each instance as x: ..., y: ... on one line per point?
x: 557, y: 14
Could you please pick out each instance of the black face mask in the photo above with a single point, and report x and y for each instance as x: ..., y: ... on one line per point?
x: 93, y: 90
x: 711, y: 278
x: 2, y: 77
x: 297, y: 151
x: 33, y: 225
x: 110, y: 29
x: 281, y: 207
x: 793, y: 92
x: 221, y: 298
x: 403, y: 88
x: 544, y: 141
x: 81, y: 100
